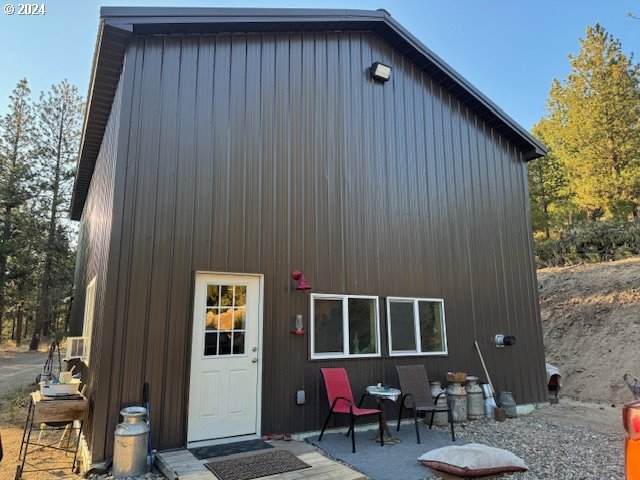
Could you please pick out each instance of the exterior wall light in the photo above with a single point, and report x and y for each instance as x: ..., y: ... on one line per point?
x: 298, y: 325
x: 380, y: 71
x: 502, y: 340
x: 298, y: 276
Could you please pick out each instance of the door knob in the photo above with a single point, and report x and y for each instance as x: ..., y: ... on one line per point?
x: 254, y: 360
x: 254, y: 349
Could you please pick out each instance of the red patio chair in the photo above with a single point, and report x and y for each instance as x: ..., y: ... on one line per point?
x: 341, y: 400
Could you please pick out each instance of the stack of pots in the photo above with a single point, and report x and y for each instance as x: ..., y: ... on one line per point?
x: 457, y: 396
x: 440, y: 418
x: 475, y: 401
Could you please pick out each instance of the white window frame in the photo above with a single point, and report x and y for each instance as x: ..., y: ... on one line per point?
x: 345, y: 327
x: 416, y: 324
x: 89, y: 312
x: 80, y: 347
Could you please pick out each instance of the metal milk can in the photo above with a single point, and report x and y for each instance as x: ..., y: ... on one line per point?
x: 439, y: 418
x: 458, y: 398
x: 509, y: 404
x: 130, y: 446
x: 475, y: 401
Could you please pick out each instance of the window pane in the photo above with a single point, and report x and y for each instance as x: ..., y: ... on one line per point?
x: 211, y: 343
x: 239, y: 316
x: 240, y: 295
x: 226, y: 296
x: 431, y: 321
x: 238, y: 342
x: 225, y: 319
x: 225, y: 343
x: 211, y: 319
x: 362, y: 326
x: 328, y: 326
x: 403, y: 333
x: 212, y: 295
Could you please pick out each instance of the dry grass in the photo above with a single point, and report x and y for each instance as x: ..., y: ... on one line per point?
x: 14, y: 405
x: 8, y: 348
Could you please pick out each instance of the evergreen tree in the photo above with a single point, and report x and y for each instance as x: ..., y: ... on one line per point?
x: 16, y: 155
x: 59, y: 123
x: 592, y: 127
x: 22, y: 279
x: 548, y: 189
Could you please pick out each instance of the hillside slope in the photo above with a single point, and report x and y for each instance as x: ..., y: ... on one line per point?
x: 591, y: 327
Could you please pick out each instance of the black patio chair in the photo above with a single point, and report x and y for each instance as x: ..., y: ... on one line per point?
x: 414, y: 385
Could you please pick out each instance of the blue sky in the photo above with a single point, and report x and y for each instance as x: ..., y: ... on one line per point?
x: 509, y: 49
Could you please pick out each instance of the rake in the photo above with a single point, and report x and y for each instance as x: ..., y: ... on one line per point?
x: 633, y: 384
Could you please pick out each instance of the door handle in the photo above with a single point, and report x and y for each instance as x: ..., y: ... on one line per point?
x: 254, y: 360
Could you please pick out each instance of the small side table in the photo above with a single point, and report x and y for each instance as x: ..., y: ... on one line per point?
x: 381, y: 395
x: 47, y: 415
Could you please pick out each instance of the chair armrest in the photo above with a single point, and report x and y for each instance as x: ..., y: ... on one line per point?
x: 413, y: 400
x: 349, y: 402
x: 435, y: 400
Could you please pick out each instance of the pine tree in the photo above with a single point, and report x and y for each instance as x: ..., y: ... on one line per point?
x: 548, y: 189
x: 16, y: 155
x: 59, y: 123
x: 22, y: 280
x: 592, y: 127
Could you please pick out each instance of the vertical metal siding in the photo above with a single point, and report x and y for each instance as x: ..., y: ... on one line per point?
x: 93, y: 259
x: 267, y: 153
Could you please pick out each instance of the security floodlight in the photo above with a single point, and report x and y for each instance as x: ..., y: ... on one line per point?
x: 380, y: 71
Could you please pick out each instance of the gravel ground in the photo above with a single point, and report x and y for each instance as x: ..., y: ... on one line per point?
x: 552, y: 450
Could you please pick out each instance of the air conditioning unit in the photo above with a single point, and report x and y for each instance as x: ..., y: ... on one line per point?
x: 75, y: 348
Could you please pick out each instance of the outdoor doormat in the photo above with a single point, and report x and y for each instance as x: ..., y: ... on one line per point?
x: 256, y: 466
x: 203, y: 453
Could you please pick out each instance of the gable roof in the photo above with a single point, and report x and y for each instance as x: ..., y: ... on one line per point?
x: 119, y: 24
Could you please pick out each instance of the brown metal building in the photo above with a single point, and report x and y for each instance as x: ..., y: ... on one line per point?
x: 225, y: 148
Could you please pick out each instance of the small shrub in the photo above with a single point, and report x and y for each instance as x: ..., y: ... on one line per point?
x: 15, y: 403
x: 589, y: 243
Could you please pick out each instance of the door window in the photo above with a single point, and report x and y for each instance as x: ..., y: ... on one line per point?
x: 225, y: 320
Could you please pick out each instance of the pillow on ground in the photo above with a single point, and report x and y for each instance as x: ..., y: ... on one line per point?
x: 472, y: 460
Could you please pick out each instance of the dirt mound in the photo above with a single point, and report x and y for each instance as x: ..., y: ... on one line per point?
x: 591, y: 327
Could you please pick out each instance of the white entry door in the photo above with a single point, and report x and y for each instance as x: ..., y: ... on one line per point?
x: 223, y: 394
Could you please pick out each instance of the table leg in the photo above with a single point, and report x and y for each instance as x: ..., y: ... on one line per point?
x: 27, y: 425
x: 75, y: 454
x: 24, y: 447
x: 388, y: 438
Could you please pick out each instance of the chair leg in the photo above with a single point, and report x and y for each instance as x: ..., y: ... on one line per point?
x: 415, y: 421
x: 325, y: 425
x: 353, y: 434
x: 453, y: 435
x: 400, y: 416
x: 431, y: 421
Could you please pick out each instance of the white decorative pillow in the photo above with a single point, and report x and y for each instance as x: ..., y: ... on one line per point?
x: 472, y: 460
